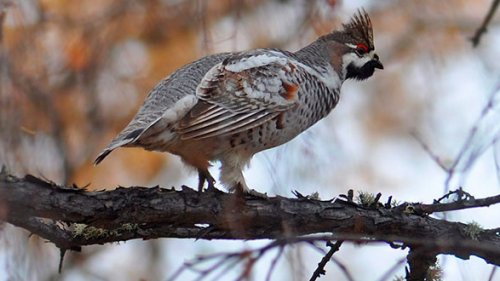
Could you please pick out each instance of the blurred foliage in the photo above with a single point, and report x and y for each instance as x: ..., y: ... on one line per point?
x: 73, y: 73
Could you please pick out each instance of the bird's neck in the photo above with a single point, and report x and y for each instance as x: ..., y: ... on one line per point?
x: 317, y: 57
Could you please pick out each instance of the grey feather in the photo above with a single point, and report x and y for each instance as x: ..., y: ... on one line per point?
x: 163, y: 96
x: 245, y: 90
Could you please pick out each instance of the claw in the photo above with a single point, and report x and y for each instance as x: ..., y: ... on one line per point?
x: 244, y: 191
x: 256, y: 194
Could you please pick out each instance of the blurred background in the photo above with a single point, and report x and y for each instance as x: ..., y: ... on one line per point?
x: 73, y: 73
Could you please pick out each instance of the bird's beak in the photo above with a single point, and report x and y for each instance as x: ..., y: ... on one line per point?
x: 376, y: 62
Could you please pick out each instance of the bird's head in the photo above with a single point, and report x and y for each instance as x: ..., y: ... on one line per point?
x: 353, y: 53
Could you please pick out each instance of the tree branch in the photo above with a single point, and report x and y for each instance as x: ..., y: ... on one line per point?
x: 457, y: 205
x: 419, y: 261
x: 71, y: 217
x: 484, y: 26
x: 320, y: 270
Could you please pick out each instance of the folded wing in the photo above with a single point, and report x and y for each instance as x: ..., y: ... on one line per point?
x: 243, y: 92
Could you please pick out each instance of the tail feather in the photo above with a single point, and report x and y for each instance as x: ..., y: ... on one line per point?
x: 114, y: 145
x: 102, y: 155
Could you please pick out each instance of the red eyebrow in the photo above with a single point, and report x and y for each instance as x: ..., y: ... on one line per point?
x: 362, y: 46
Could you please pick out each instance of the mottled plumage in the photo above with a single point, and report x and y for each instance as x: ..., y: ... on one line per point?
x: 227, y: 107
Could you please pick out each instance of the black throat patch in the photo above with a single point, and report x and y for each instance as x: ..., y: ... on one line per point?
x: 360, y: 73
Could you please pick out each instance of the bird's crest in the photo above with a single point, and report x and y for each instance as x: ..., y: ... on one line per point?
x: 360, y: 28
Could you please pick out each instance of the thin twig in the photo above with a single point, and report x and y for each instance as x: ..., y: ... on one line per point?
x: 457, y: 205
x: 424, y: 245
x: 387, y: 275
x: 343, y: 268
x: 227, y: 261
x: 228, y: 266
x: 427, y: 149
x: 274, y: 262
x: 465, y: 153
x: 178, y: 272
x: 460, y: 193
x: 320, y: 270
x: 492, y: 274
x: 484, y: 26
x: 496, y: 157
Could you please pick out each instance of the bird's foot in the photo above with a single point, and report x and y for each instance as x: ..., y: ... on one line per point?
x: 205, y: 176
x: 212, y: 188
x: 241, y: 189
x: 254, y: 193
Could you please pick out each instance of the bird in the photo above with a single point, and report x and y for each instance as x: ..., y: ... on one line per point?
x: 229, y: 106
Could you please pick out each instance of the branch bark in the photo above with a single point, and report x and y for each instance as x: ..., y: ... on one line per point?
x: 419, y: 262
x: 71, y: 217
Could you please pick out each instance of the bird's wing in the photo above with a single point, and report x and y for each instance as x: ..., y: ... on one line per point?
x: 169, y: 98
x: 240, y: 93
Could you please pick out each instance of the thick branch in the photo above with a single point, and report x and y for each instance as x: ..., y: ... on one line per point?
x: 419, y: 261
x: 71, y: 217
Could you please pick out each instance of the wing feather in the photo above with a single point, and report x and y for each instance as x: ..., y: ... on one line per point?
x: 207, y: 116
x: 244, y: 91
x: 215, y: 120
x: 233, y: 125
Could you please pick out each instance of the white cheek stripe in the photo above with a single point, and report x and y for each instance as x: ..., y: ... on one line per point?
x: 352, y: 46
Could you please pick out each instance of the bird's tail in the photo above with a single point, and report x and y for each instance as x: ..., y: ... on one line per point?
x: 125, y: 138
x: 114, y: 145
x: 102, y: 155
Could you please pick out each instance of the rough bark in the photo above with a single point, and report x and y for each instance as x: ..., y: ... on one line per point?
x: 419, y: 262
x: 71, y: 217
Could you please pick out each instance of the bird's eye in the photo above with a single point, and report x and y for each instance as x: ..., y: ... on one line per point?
x: 361, y: 49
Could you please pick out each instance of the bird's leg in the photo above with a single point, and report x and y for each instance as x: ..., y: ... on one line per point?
x: 204, y: 175
x: 211, y: 181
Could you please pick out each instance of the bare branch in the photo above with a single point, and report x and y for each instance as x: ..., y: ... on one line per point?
x: 484, y: 26
x: 457, y: 205
x: 496, y: 156
x: 482, y: 135
x: 343, y: 268
x: 492, y: 274
x: 320, y: 270
x: 420, y: 259
x: 71, y: 218
x: 427, y: 149
x: 273, y: 263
